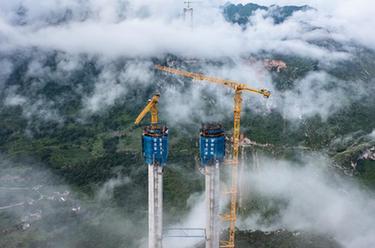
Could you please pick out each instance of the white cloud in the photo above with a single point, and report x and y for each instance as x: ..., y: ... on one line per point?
x: 315, y: 200
x: 113, y: 83
x: 372, y: 134
x: 195, y: 219
x: 40, y: 107
x: 106, y: 92
x: 354, y: 19
x: 154, y: 28
x: 106, y: 191
x: 15, y: 100
x: 312, y: 95
x: 147, y: 31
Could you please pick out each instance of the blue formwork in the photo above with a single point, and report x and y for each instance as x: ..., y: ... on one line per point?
x: 212, y: 144
x: 155, y: 145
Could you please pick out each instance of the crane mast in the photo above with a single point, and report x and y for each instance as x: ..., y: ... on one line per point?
x: 238, y: 89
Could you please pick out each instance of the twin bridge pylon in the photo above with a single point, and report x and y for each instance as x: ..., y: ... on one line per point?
x: 189, y: 13
x: 212, y: 154
x: 155, y: 153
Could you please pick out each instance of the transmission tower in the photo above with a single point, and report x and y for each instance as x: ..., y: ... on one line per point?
x: 189, y: 13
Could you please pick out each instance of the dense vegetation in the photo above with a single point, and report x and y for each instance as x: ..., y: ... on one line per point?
x: 51, y: 130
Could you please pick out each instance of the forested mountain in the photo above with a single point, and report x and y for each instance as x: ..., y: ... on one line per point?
x: 66, y: 125
x: 240, y: 14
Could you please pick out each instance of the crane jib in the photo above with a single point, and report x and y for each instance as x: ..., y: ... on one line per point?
x: 201, y: 77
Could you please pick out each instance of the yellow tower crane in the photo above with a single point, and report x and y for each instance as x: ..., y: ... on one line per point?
x: 150, y: 107
x: 238, y: 89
